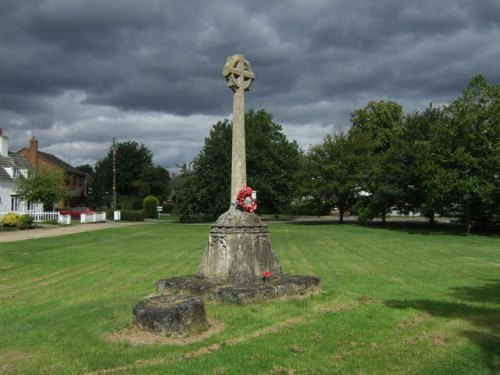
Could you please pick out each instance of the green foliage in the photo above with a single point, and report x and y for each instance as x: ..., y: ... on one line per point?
x: 17, y: 220
x: 129, y: 215
x: 154, y: 181
x: 463, y: 156
x: 414, y: 159
x: 272, y: 162
x: 336, y: 169
x: 45, y: 186
x: 440, y: 161
x: 131, y: 159
x: 132, y: 202
x: 168, y: 207
x: 149, y: 206
x: 25, y: 221
x: 383, y: 122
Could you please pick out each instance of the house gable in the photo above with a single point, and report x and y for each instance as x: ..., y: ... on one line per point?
x: 76, y: 181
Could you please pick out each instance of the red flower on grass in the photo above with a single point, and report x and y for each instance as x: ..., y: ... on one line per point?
x: 267, y: 275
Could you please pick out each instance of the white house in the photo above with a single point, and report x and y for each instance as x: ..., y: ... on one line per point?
x: 13, y: 166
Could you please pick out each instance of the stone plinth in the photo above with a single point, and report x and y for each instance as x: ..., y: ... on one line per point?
x: 275, y: 287
x: 171, y: 315
x: 239, y: 250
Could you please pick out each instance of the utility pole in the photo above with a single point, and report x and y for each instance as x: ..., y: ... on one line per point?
x: 114, y: 174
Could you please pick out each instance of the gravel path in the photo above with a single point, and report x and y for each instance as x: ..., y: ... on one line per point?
x: 46, y: 230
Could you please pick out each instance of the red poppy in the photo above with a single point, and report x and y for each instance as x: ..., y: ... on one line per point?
x: 267, y: 275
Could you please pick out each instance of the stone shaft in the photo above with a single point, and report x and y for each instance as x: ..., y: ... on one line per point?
x: 239, y: 77
x: 238, y: 155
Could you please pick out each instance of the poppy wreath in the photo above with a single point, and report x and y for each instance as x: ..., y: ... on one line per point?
x: 244, y: 199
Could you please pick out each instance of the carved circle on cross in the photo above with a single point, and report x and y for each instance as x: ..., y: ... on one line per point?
x: 238, y: 73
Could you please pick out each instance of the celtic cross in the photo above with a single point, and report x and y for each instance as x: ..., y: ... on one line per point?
x: 239, y: 77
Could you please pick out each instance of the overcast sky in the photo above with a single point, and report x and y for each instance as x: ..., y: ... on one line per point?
x: 78, y: 73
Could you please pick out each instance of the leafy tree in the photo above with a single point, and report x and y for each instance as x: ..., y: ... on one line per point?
x: 307, y: 201
x: 154, y: 181
x: 336, y: 169
x: 414, y: 159
x: 272, y: 162
x: 383, y: 122
x: 131, y: 159
x: 464, y: 156
x: 205, y: 188
x: 46, y: 187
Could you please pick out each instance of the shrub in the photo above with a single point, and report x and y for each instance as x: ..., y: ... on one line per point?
x: 149, y: 206
x: 26, y: 221
x: 128, y: 215
x: 12, y: 219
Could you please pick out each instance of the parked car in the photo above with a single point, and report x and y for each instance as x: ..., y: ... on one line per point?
x: 76, y: 212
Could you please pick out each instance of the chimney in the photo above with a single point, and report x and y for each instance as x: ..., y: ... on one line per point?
x: 33, y: 152
x: 4, y: 144
x: 33, y: 145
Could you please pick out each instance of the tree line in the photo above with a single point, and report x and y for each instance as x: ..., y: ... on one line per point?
x: 439, y: 161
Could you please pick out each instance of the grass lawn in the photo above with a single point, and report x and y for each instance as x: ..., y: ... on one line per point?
x: 396, y: 300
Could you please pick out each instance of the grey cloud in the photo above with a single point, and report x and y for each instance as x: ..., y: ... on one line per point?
x: 315, y: 62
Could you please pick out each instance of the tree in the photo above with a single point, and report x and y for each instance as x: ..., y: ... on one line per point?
x: 272, y: 161
x: 131, y: 159
x: 464, y: 156
x: 46, y: 187
x: 414, y: 159
x: 383, y: 121
x: 154, y: 181
x: 336, y: 169
x: 204, y: 192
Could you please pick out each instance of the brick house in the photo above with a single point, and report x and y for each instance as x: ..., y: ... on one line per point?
x: 76, y: 181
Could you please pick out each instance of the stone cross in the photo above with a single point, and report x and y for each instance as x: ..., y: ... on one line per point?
x: 239, y: 77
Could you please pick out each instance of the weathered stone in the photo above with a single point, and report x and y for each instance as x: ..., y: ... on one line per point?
x: 239, y: 250
x: 239, y: 77
x: 275, y: 287
x: 171, y: 315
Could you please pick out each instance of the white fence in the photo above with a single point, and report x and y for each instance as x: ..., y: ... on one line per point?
x: 38, y: 216
x: 93, y: 218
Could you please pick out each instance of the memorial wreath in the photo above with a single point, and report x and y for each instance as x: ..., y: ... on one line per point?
x: 245, y: 201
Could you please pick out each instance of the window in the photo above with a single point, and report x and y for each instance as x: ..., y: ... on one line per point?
x: 14, y: 203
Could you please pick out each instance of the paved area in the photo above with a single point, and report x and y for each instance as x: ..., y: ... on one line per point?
x: 47, y: 230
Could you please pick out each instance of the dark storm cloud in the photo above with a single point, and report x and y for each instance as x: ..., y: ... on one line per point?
x: 70, y: 63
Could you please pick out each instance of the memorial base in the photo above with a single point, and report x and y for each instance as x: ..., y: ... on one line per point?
x: 256, y: 291
x: 238, y: 250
